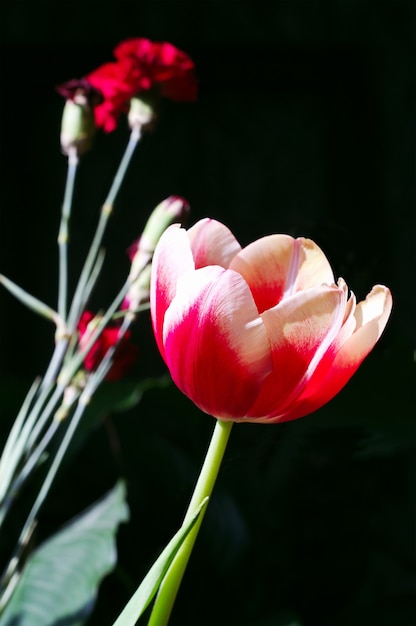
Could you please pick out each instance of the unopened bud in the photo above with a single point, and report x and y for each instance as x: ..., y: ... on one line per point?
x: 77, y: 127
x: 173, y: 209
x: 139, y: 292
x: 142, y: 113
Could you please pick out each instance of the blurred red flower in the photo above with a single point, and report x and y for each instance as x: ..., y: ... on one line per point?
x: 141, y: 65
x: 124, y: 356
x: 162, y: 65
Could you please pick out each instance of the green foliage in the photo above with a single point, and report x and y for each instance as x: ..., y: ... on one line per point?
x: 59, y: 582
x: 149, y: 586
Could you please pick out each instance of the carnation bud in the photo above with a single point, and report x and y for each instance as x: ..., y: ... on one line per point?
x: 142, y: 113
x: 77, y: 126
x: 139, y: 291
x: 173, y: 209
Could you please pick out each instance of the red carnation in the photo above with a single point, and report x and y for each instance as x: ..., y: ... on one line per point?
x: 164, y: 66
x: 141, y: 66
x: 118, y: 83
x: 124, y: 357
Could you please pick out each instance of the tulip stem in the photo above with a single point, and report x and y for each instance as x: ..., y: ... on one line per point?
x: 169, y: 587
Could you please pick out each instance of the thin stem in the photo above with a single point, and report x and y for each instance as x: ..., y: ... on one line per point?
x: 36, y: 422
x: 134, y: 139
x: 63, y: 235
x: 206, y: 481
x: 28, y: 427
x: 9, y: 461
x: 9, y: 574
x: 84, y: 399
x: 69, y: 368
x: 30, y: 464
x: 106, y: 210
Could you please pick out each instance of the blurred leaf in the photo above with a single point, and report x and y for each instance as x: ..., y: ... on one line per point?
x: 59, y: 582
x: 150, y: 584
x: 115, y: 397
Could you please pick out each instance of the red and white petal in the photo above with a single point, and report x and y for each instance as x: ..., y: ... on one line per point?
x: 215, y: 343
x: 371, y: 317
x: 300, y: 330
x: 310, y: 267
x: 265, y: 265
x: 212, y: 243
x: 172, y: 258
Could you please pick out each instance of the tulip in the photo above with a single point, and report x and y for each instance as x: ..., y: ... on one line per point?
x: 261, y: 333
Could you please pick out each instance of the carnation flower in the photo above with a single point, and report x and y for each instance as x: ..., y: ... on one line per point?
x: 142, y: 67
x: 161, y: 65
x: 126, y: 352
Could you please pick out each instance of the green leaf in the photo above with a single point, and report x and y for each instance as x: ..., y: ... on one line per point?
x: 59, y: 582
x: 28, y: 300
x: 142, y: 597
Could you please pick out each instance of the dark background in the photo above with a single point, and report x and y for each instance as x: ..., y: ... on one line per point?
x: 305, y: 124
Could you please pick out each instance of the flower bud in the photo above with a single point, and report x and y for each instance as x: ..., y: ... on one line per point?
x: 139, y: 292
x: 142, y: 115
x: 77, y: 127
x: 173, y: 209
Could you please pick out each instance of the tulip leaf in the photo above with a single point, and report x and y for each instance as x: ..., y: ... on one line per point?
x: 60, y: 580
x: 144, y: 594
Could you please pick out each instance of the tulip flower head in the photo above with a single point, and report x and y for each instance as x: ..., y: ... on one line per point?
x: 261, y: 333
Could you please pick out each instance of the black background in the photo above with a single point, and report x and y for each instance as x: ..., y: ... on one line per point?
x: 305, y: 124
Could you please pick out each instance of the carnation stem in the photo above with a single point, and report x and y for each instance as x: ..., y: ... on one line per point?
x: 63, y: 235
x: 9, y: 576
x: 168, y: 589
x: 106, y: 210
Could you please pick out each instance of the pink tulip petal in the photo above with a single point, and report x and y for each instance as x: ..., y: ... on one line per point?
x: 278, y: 266
x: 310, y: 268
x: 212, y: 243
x: 371, y: 316
x: 216, y: 346
x: 300, y: 330
x: 171, y: 259
x: 265, y: 265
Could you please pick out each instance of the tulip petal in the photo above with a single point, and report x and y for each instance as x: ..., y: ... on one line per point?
x: 277, y: 266
x: 371, y: 316
x: 212, y: 243
x: 300, y: 329
x: 171, y: 259
x: 265, y: 265
x: 215, y: 343
x: 310, y: 267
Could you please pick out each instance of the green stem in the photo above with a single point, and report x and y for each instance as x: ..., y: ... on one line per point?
x: 14, y: 564
x: 168, y: 589
x: 63, y: 235
x: 106, y: 210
